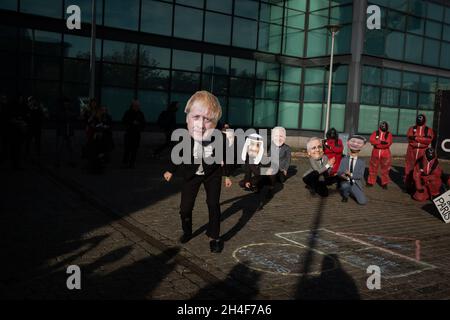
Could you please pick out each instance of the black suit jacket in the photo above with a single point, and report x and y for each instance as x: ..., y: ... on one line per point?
x: 187, y: 171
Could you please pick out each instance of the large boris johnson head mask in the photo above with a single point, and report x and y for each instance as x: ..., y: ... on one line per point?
x: 203, y: 111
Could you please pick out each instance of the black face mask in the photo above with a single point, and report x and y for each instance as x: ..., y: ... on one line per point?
x: 429, y: 154
x: 383, y: 126
x: 420, y: 120
x: 332, y: 134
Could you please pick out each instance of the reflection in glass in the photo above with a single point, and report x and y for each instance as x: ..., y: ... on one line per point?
x: 288, y: 113
x: 217, y: 28
x: 265, y: 113
x: 156, y: 17
x: 152, y: 104
x: 117, y: 100
x: 240, y: 112
x: 244, y: 33
x: 185, y: 81
x: 154, y: 56
x: 118, y: 75
x: 122, y: 14
x: 186, y: 60
x: 269, y: 38
x: 150, y: 78
x: 246, y: 8
x: 188, y: 23
x: 48, y: 8
x: 241, y: 87
x: 121, y: 52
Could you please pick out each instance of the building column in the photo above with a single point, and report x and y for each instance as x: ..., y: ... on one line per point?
x: 354, y: 71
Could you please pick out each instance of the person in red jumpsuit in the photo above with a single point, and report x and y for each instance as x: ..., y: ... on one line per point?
x: 419, y: 138
x: 333, y: 148
x: 427, y: 176
x: 381, y: 141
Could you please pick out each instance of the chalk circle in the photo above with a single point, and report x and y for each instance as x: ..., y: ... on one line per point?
x: 283, y: 259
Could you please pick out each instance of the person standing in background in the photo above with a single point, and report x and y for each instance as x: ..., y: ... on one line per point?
x: 134, y: 121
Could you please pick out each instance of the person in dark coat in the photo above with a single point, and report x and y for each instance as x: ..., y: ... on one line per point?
x: 134, y: 122
x: 203, y: 111
x: 167, y: 121
x: 35, y: 119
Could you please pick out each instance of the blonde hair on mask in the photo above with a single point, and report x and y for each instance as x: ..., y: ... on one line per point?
x: 211, y: 102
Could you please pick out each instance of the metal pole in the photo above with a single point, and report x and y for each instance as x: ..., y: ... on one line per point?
x: 92, y: 58
x: 327, y: 121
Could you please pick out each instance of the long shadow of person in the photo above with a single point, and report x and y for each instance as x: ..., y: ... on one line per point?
x: 241, y: 283
x: 396, y: 175
x: 431, y: 209
x: 333, y: 283
x: 134, y: 281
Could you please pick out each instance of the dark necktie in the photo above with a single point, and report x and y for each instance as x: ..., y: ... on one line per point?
x: 351, y: 165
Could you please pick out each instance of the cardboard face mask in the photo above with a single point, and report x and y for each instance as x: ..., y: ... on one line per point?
x: 278, y: 136
x: 316, y: 149
x: 356, y: 143
x: 254, y: 148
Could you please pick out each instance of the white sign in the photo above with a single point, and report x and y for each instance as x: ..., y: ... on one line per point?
x: 442, y: 203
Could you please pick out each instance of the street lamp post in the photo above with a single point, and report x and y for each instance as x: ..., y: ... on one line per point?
x: 334, y: 29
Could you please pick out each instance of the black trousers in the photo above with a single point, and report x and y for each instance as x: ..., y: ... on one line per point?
x: 212, y: 184
x: 131, y: 145
x: 312, y: 181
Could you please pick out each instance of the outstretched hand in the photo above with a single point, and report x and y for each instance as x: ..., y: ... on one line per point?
x: 167, y: 176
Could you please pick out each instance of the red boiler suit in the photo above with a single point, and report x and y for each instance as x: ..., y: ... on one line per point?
x: 333, y: 150
x: 419, y: 137
x: 427, y: 177
x: 381, y: 157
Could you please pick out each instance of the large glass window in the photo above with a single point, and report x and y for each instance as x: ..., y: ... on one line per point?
x: 150, y: 78
x: 269, y: 38
x: 242, y: 67
x: 186, y: 60
x: 188, y: 23
x: 156, y: 17
x: 394, y: 45
x: 217, y: 28
x: 185, y: 81
x: 265, y: 113
x: 80, y: 47
x: 121, y: 52
x: 413, y: 51
x: 431, y: 52
x: 154, y: 56
x: 317, y: 42
x: 152, y: 104
x: 224, y: 6
x: 48, y: 8
x: 390, y: 115
x: 9, y: 5
x: 215, y: 64
x: 246, y: 8
x: 293, y: 42
x: 240, y: 112
x: 368, y: 118
x: 122, y: 14
x: 244, y: 33
x: 117, y: 101
x: 288, y: 114
x: 311, y: 116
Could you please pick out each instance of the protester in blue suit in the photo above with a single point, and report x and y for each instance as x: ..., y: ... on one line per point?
x: 351, y: 171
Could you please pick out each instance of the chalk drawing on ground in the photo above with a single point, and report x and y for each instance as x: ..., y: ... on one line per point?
x: 278, y: 258
x: 359, y: 253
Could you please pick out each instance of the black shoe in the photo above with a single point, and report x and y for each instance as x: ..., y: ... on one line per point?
x: 216, y: 246
x: 344, y: 199
x: 384, y: 186
x: 185, y: 237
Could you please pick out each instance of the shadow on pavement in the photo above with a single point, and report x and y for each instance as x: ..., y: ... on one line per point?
x: 218, y: 290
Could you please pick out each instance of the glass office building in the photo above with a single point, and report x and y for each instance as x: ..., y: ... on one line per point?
x: 267, y: 61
